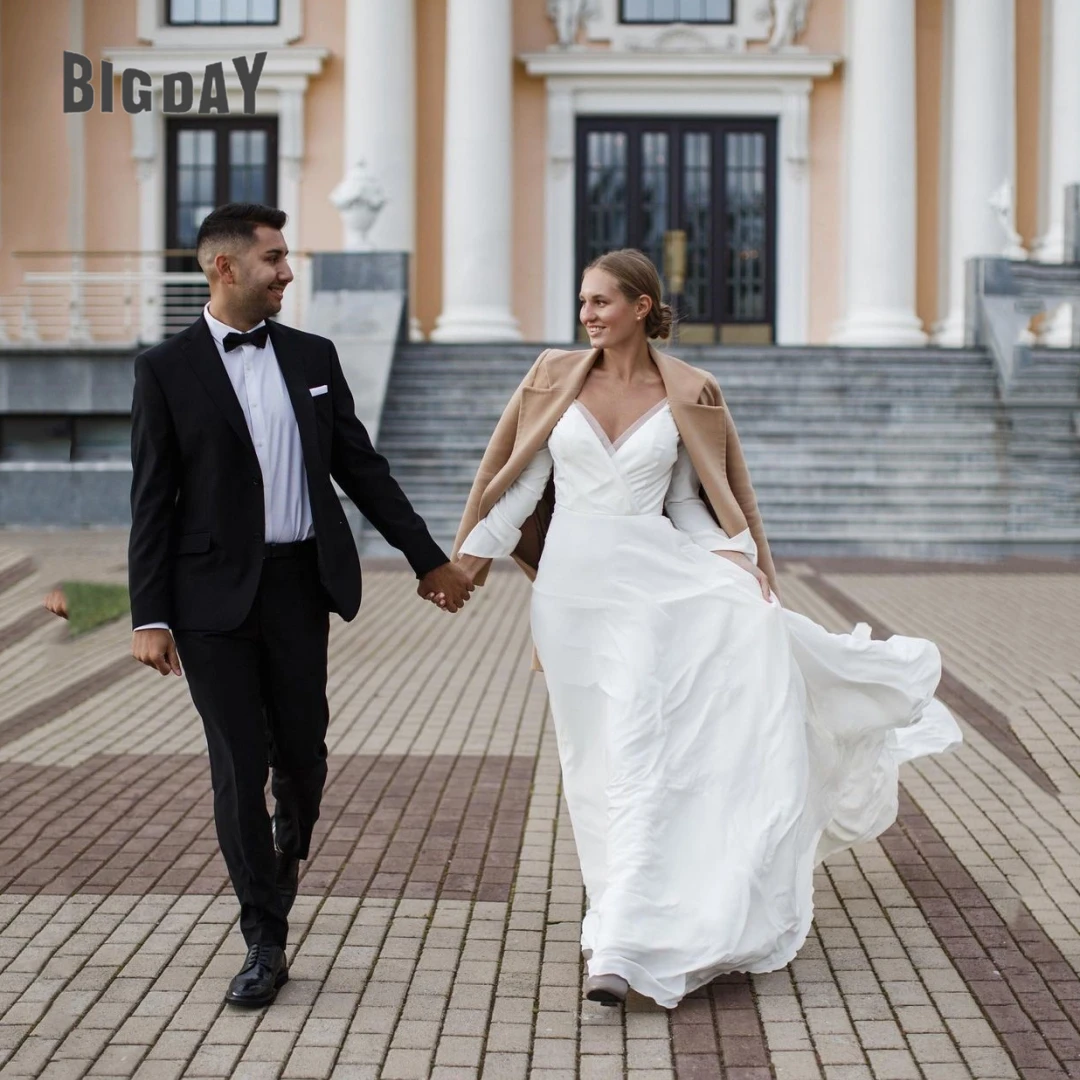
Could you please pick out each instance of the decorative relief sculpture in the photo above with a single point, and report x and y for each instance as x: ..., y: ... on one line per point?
x: 568, y: 16
x: 359, y: 198
x: 1001, y: 202
x: 789, y: 21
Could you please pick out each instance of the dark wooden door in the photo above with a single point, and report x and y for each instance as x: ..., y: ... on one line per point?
x: 711, y: 180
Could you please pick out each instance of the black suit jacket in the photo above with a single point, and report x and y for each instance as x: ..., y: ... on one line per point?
x: 197, y: 517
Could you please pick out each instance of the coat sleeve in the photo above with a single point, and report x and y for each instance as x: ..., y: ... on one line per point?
x: 499, y: 448
x: 738, y: 476
x: 364, y: 475
x: 499, y: 532
x: 155, y: 484
x: 690, y: 515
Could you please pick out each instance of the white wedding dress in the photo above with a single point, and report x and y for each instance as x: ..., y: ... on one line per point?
x: 714, y: 745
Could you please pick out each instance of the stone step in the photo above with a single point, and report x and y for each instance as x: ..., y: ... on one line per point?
x: 821, y: 486
x: 930, y: 549
x: 893, y: 526
x: 852, y: 426
x: 433, y: 489
x: 704, y: 355
x: 869, y: 451
x: 493, y: 395
x: 793, y: 449
x: 774, y: 378
x: 861, y: 471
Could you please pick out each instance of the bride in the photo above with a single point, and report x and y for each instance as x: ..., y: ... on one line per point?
x: 714, y: 745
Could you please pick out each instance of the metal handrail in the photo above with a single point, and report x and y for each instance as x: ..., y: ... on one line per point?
x: 118, y: 298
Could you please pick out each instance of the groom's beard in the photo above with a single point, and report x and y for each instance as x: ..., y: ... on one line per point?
x: 256, y: 304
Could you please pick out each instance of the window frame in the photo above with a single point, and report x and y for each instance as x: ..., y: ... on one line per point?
x: 197, y: 25
x: 222, y: 127
x: 624, y: 21
x: 64, y: 419
x: 153, y: 28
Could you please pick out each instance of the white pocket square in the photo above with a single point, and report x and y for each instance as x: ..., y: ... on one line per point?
x: 317, y: 390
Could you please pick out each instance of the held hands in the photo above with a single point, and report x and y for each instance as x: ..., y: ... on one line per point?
x: 739, y: 559
x: 156, y: 649
x: 447, y: 586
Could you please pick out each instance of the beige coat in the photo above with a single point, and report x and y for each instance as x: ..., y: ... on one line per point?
x: 547, y: 391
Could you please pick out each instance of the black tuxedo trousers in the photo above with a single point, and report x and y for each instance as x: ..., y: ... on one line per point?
x: 261, y: 692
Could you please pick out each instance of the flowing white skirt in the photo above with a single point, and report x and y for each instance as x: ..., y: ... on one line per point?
x: 714, y: 747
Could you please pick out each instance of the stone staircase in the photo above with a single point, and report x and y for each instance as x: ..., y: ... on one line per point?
x: 900, y: 453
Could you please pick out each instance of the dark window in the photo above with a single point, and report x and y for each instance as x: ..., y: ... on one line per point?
x: 686, y: 11
x: 35, y: 438
x: 223, y: 12
x: 101, y: 438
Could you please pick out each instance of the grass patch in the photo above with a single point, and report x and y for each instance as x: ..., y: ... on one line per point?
x: 91, y: 604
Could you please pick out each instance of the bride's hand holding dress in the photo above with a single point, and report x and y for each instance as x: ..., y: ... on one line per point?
x: 739, y: 559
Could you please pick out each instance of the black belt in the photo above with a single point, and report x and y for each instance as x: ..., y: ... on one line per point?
x: 289, y: 551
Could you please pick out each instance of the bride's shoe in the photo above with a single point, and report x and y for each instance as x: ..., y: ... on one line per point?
x: 606, y: 989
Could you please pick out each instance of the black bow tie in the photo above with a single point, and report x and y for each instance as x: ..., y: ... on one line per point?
x: 256, y: 337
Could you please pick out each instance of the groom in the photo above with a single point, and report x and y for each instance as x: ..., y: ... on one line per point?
x: 239, y: 550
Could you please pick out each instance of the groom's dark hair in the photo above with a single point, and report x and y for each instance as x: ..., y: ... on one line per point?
x: 235, y: 223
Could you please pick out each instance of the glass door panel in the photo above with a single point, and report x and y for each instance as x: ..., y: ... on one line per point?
x: 708, y: 185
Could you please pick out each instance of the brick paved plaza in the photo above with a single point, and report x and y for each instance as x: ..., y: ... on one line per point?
x: 436, y: 931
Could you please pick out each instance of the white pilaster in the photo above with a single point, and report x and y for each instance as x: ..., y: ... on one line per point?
x: 478, y: 164
x: 1063, y: 108
x: 290, y: 170
x: 880, y: 199
x: 380, y: 119
x: 1062, y: 122
x: 982, y: 145
x: 79, y: 331
x: 147, y: 150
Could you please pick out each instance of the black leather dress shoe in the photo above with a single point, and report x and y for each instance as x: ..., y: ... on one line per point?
x: 258, y: 981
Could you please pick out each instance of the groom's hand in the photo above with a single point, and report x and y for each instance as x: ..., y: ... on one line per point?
x: 156, y: 649
x: 447, y: 585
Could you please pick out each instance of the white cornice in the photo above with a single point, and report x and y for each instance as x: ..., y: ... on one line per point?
x: 281, y: 64
x: 592, y: 63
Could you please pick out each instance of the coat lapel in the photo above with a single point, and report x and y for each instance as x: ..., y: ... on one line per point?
x: 292, y: 370
x: 202, y: 355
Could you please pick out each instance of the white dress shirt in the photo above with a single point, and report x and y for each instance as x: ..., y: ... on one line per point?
x: 260, y: 388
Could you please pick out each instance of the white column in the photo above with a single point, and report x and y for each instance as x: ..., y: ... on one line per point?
x: 1062, y: 122
x: 880, y: 149
x: 1063, y: 108
x: 380, y: 121
x: 477, y: 287
x: 79, y: 330
x: 290, y: 171
x: 982, y: 143
x: 147, y: 129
